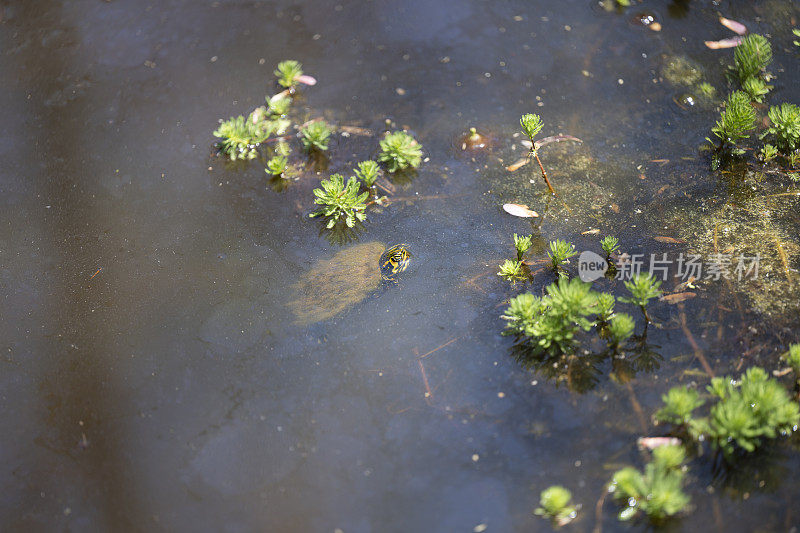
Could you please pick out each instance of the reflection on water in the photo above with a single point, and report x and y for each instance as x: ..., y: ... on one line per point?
x: 153, y: 374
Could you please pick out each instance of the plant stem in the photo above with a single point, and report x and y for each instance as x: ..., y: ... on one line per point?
x: 544, y: 174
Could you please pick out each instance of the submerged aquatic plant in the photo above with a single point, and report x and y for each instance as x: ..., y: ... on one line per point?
x: 551, y: 323
x: 679, y: 404
x: 706, y: 90
x: 620, y: 328
x: 287, y: 72
x: 752, y: 57
x: 643, y: 288
x: 277, y: 165
x: 768, y: 153
x: 512, y: 271
x: 367, y: 172
x: 241, y: 137
x: 400, y: 151
x: 610, y: 245
x: 555, y: 503
x: 792, y: 358
x: 747, y: 413
x: 522, y: 244
x: 560, y: 252
x: 340, y: 201
x: 736, y: 120
x: 785, y: 126
x: 531, y: 126
x: 658, y: 491
x: 315, y: 136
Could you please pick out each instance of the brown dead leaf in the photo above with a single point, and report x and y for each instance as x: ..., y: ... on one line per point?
x: 669, y: 240
x: 593, y: 231
x: 556, y: 139
x: 615, y: 208
x: 677, y: 297
x: 355, y: 130
x: 519, y: 210
x: 305, y: 79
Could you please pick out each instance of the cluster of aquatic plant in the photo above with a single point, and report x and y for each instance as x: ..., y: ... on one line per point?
x: 785, y: 126
x: 643, y: 288
x: 400, y: 151
x: 752, y: 57
x: 288, y: 73
x: 367, y: 172
x: 555, y: 503
x: 512, y: 271
x: 657, y: 491
x: 340, y: 201
x: 315, y: 136
x: 610, y: 245
x: 241, y: 137
x: 560, y: 252
x: 739, y: 118
x: 746, y: 413
x: 552, y: 323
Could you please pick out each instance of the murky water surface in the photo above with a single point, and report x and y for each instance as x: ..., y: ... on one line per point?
x: 154, y: 374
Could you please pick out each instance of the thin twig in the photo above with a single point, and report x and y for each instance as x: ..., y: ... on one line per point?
x: 451, y: 341
x: 698, y: 353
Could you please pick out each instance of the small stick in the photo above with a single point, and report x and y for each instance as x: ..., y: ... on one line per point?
x: 451, y: 341
x: 598, y: 511
x: 637, y: 407
x: 428, y: 393
x: 697, y: 351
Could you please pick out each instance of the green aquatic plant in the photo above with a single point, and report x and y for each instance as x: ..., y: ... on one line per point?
x: 747, y: 413
x: 620, y: 328
x: 277, y: 165
x: 512, y: 271
x: 785, y: 126
x: 736, y: 120
x: 657, y: 491
x: 367, y: 172
x: 522, y: 244
x: 400, y: 151
x: 796, y: 33
x: 531, y: 126
x: 278, y: 105
x: 643, y: 288
x: 551, y: 323
x: 679, y: 404
x: 287, y: 73
x: 560, y: 252
x: 768, y: 153
x: 555, y: 503
x: 316, y: 135
x: 752, y: 57
x: 610, y: 245
x: 605, y: 306
x: 756, y: 88
x: 340, y: 201
x: 241, y: 137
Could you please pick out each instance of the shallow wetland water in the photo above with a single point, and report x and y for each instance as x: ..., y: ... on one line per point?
x: 155, y: 375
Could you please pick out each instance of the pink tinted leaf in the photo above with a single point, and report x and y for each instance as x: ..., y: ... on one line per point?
x: 306, y: 79
x: 736, y: 27
x: 732, y: 42
x: 519, y: 163
x: 651, y: 443
x: 556, y: 139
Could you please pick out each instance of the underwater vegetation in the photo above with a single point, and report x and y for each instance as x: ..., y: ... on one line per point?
x: 785, y: 126
x: 657, y: 491
x: 555, y: 503
x: 399, y: 151
x: 643, y: 288
x: 512, y: 271
x: 531, y: 126
x: 560, y: 252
